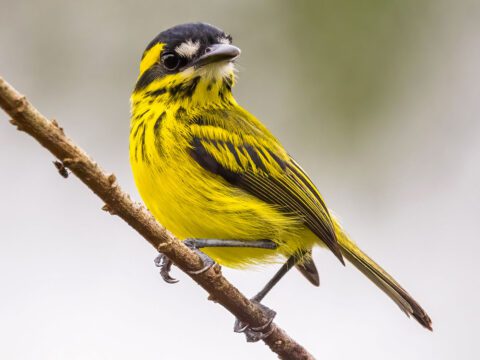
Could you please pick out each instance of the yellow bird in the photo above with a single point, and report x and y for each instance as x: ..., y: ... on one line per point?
x: 212, y: 173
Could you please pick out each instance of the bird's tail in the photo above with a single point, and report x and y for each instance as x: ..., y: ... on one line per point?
x: 380, y: 277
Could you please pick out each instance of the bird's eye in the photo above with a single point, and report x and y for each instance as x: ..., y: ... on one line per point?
x: 171, y: 61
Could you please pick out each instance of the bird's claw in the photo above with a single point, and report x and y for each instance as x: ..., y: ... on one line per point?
x: 165, y: 264
x: 207, y: 260
x: 254, y: 334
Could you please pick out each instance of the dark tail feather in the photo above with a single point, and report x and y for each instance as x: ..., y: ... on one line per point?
x: 309, y: 270
x: 381, y: 278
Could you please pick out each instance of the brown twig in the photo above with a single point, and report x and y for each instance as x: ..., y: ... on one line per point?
x: 49, y: 134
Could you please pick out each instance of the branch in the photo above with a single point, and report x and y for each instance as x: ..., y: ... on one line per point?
x: 50, y: 135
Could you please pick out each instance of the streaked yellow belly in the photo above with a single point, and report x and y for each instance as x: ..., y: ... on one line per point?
x: 193, y: 203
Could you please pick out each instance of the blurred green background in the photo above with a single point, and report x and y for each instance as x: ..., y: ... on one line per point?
x: 379, y: 102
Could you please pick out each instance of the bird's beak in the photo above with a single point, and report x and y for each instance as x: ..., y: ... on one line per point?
x: 217, y: 53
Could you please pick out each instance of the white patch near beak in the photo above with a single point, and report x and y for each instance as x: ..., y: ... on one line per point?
x: 188, y: 49
x: 216, y: 71
x: 222, y: 40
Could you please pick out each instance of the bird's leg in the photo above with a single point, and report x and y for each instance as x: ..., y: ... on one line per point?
x: 256, y: 244
x: 292, y: 260
x: 254, y: 334
x: 165, y: 264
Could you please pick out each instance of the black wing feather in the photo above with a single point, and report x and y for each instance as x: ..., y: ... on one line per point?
x: 292, y: 191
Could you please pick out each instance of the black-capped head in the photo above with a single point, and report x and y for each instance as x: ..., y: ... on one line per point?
x: 185, y: 49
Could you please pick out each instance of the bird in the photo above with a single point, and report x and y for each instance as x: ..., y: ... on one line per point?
x: 216, y: 177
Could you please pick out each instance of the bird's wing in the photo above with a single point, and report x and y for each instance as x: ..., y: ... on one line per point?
x: 253, y: 160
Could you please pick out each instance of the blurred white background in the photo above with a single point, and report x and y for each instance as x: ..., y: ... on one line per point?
x: 380, y: 103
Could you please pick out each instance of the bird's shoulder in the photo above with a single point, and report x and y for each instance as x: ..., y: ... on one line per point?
x: 237, y: 141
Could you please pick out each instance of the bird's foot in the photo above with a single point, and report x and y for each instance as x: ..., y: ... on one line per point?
x: 254, y: 334
x: 165, y: 264
x: 208, y: 262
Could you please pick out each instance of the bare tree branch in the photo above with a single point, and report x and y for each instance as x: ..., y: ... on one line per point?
x: 50, y: 135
